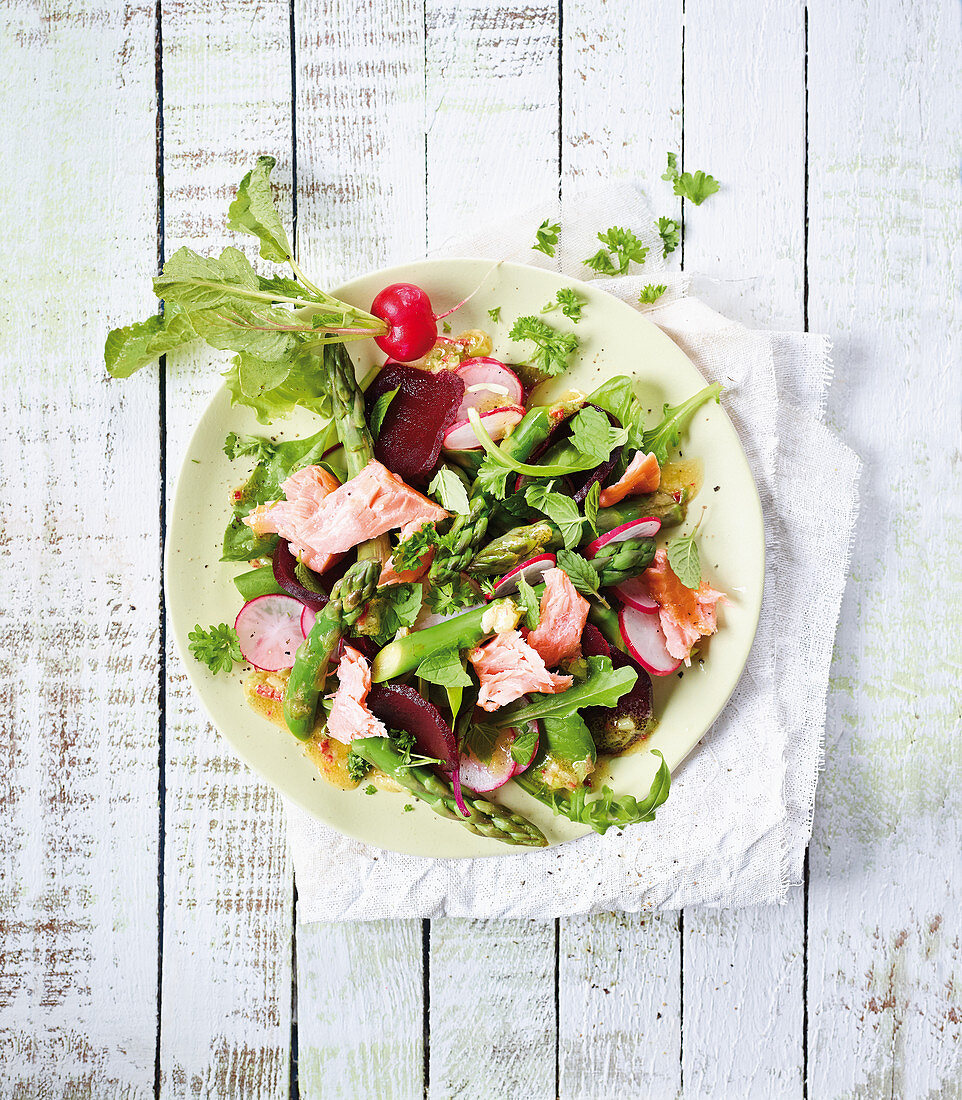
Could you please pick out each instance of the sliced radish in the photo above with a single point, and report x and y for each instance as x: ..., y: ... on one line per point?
x: 433, y: 619
x: 308, y: 615
x: 532, y: 570
x: 269, y: 631
x: 634, y: 593
x: 460, y: 436
x: 645, y: 528
x: 643, y: 636
x: 487, y: 775
x: 488, y: 385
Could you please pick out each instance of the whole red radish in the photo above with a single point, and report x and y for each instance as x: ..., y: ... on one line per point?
x: 412, y: 326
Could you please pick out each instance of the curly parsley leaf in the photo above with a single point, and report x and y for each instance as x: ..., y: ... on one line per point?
x: 581, y: 573
x: 409, y: 553
x: 670, y: 232
x: 357, y: 767
x: 651, y: 293
x: 560, y: 509
x: 554, y: 348
x: 529, y: 603
x: 217, y: 647
x: 394, y: 606
x: 625, y: 247
x: 449, y: 491
x: 254, y: 212
x: 380, y: 409
x: 694, y: 187
x: 546, y: 237
x: 493, y: 478
x: 571, y: 304
x: 447, y: 599
x: 671, y: 172
x: 495, y: 314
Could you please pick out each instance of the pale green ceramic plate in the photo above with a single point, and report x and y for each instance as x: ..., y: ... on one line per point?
x: 615, y: 339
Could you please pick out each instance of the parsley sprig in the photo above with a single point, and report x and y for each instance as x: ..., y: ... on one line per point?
x: 620, y: 245
x: 217, y: 647
x: 695, y: 187
x: 571, y: 304
x: 546, y: 237
x: 651, y: 293
x: 554, y: 348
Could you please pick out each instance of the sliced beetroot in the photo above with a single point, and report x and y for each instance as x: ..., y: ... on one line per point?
x: 617, y: 728
x: 425, y: 406
x: 401, y: 707
x: 269, y: 631
x: 284, y: 565
x: 593, y: 642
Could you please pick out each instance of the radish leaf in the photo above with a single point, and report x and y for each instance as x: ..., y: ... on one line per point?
x: 128, y: 349
x: 254, y: 212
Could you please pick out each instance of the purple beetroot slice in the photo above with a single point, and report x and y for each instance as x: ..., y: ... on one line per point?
x: 630, y: 719
x: 400, y: 707
x: 425, y: 406
x: 284, y: 564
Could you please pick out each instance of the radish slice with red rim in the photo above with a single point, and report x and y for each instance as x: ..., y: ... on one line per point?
x: 487, y: 764
x: 645, y: 528
x: 645, y: 641
x: 634, y: 593
x: 460, y: 436
x: 269, y: 631
x: 488, y: 385
x: 433, y: 619
x: 308, y: 615
x: 532, y: 570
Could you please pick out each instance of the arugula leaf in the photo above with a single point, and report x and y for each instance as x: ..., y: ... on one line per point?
x: 674, y: 421
x: 217, y: 647
x: 507, y: 462
x: 128, y: 349
x: 495, y: 314
x: 410, y: 552
x: 275, y: 463
x: 449, y: 491
x: 571, y: 304
x: 381, y: 406
x: 546, y: 238
x: 604, y: 686
x: 303, y: 387
x: 567, y: 749
x: 254, y: 212
x: 554, y: 348
x: 651, y: 293
x: 592, y: 500
x: 528, y: 601
x: 625, y: 246
x: 670, y: 232
x: 560, y: 509
x: 617, y: 396
x: 444, y: 668
x: 696, y: 188
x: 581, y: 573
x: 604, y: 811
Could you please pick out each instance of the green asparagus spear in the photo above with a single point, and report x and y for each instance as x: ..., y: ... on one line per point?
x: 468, y: 531
x: 515, y: 546
x: 306, y: 682
x: 486, y: 818
x: 604, y: 811
x: 619, y: 561
x: 661, y: 505
x: 407, y: 652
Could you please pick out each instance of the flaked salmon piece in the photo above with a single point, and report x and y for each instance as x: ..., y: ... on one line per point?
x: 389, y: 574
x: 685, y: 614
x: 350, y: 717
x: 319, y: 522
x: 642, y: 476
x: 563, y: 616
x: 509, y: 668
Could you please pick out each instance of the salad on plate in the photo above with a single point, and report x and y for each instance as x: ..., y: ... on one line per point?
x: 453, y: 583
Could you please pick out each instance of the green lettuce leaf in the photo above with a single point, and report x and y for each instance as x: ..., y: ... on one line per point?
x: 303, y: 387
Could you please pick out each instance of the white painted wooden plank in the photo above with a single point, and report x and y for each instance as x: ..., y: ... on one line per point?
x: 745, y: 124
x: 226, y: 1021
x: 619, y: 1006
x: 619, y: 978
x: 360, y: 174
x: 493, y: 1024
x: 492, y: 144
x: 885, y: 258
x: 78, y: 601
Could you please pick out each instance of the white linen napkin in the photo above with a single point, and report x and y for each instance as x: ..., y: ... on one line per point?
x: 739, y: 817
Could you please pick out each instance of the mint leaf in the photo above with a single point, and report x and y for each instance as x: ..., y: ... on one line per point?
x: 593, y: 436
x: 449, y: 491
x: 128, y: 349
x: 581, y: 573
x: 254, y: 212
x: 592, y: 500
x: 546, y: 238
x: 444, y: 668
x: 380, y: 408
x: 528, y: 601
x: 523, y: 746
x: 684, y: 560
x: 560, y: 509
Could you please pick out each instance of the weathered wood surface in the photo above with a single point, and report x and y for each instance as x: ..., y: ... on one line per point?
x: 406, y: 123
